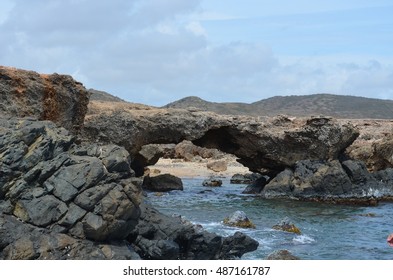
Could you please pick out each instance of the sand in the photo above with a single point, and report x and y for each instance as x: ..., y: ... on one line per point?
x: 184, y: 169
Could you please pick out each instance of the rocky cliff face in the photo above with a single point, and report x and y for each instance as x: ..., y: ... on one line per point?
x: 79, y: 194
x: 55, y: 97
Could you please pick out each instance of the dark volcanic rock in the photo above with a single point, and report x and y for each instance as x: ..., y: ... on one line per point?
x: 248, y: 178
x: 158, y: 236
x: 162, y: 183
x: 256, y: 186
x: 55, y: 97
x: 21, y: 241
x: 330, y: 181
x: 84, y: 193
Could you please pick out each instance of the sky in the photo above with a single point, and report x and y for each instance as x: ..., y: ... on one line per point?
x: 158, y: 51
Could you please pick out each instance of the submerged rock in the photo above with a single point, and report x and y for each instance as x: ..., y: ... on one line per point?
x: 212, y: 182
x: 286, y: 225
x: 238, y: 219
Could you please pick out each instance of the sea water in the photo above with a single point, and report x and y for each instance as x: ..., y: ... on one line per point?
x: 328, y: 232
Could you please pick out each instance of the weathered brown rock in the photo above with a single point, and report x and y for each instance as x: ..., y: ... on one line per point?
x: 269, y: 146
x: 58, y: 98
x: 217, y: 166
x: 282, y: 255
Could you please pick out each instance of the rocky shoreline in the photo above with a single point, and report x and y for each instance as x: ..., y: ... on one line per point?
x: 70, y: 186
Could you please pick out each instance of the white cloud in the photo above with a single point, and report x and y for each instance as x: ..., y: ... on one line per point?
x: 156, y: 51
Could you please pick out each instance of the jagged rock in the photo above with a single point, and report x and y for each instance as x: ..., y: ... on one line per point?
x: 255, y: 187
x: 287, y: 225
x: 22, y: 241
x: 148, y: 155
x: 248, y: 178
x: 212, y: 182
x: 238, y: 219
x: 382, y: 156
x: 158, y: 236
x: 85, y: 192
x: 217, y: 166
x: 333, y: 181
x: 281, y: 255
x: 162, y: 183
x: 55, y: 97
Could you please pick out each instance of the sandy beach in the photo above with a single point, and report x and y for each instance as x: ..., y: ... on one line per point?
x: 186, y: 169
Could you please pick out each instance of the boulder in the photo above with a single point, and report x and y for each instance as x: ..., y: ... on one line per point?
x: 281, y: 255
x: 217, y: 166
x: 212, y: 182
x: 256, y: 187
x: 188, y: 151
x: 58, y: 98
x: 287, y: 225
x: 162, y: 183
x: 248, y: 178
x: 158, y: 236
x: 238, y: 219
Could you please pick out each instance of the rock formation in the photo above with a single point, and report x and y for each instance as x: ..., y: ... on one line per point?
x: 55, y: 97
x: 53, y: 186
x: 159, y: 237
x: 267, y: 147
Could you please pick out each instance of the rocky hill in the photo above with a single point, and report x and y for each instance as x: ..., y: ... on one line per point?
x: 98, y: 95
x: 339, y: 106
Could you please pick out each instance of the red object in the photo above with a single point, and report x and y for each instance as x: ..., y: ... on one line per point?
x: 390, y: 240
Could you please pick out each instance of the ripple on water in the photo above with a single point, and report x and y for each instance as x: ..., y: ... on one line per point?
x: 328, y: 231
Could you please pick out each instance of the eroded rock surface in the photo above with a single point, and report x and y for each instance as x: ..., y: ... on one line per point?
x: 58, y: 98
x: 267, y: 147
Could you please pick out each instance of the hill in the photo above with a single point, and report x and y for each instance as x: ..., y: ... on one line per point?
x: 97, y: 95
x: 339, y: 106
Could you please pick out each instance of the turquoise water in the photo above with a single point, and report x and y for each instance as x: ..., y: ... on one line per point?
x: 329, y: 232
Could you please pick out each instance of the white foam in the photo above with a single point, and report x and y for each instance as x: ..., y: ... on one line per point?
x: 303, y: 239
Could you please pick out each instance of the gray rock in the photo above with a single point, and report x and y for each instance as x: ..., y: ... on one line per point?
x: 281, y: 255
x: 192, y: 242
x: 256, y: 187
x: 212, y: 182
x: 238, y: 219
x: 162, y: 183
x: 40, y: 211
x: 248, y: 178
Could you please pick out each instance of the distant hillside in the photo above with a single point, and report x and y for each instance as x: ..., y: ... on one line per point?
x: 338, y: 106
x: 97, y: 95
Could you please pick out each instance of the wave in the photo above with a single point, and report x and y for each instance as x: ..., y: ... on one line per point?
x: 303, y: 239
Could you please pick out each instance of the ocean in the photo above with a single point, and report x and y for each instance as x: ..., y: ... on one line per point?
x: 328, y: 232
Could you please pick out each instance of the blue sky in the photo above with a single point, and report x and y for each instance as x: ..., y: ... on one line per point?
x: 157, y: 51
